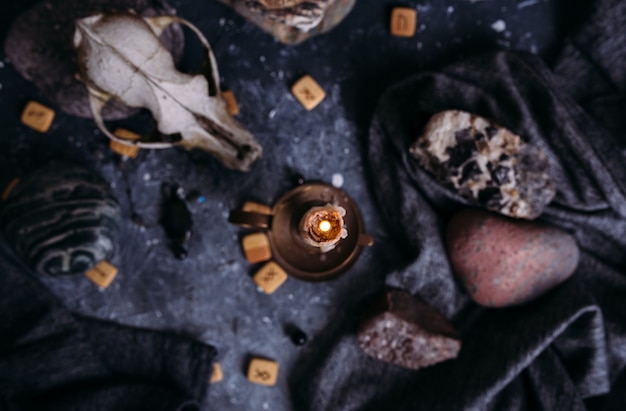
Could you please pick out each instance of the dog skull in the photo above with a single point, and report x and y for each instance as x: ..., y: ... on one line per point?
x: 120, y: 56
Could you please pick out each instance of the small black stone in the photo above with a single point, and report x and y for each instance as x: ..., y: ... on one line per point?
x: 193, y: 196
x: 180, y: 252
x: 138, y: 220
x: 176, y: 219
x: 297, y: 336
x: 299, y: 179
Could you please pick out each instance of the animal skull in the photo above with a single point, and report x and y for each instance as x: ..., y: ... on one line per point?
x: 120, y: 56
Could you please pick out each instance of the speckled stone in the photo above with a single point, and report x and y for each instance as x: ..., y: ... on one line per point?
x: 486, y: 164
x: 503, y: 262
x: 61, y: 219
x: 404, y: 331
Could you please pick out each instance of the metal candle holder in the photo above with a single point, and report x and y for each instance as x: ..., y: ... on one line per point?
x: 289, y: 249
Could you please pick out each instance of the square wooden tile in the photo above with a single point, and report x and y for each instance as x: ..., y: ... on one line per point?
x: 403, y: 21
x: 102, y: 274
x: 270, y: 277
x: 124, y: 149
x: 308, y: 92
x: 252, y: 207
x: 256, y: 248
x: 231, y: 102
x: 7, y: 191
x: 126, y: 134
x: 37, y: 116
x: 263, y: 372
x: 217, y: 375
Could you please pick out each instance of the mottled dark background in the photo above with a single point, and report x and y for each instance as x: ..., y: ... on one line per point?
x: 210, y: 295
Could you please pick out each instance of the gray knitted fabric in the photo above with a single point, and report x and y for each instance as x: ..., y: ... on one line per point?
x: 564, y: 351
x: 51, y: 359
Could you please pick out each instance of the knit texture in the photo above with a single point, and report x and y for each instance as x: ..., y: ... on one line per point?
x: 52, y: 359
x: 564, y: 351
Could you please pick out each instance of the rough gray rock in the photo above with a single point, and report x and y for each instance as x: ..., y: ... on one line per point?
x: 486, y: 164
x: 401, y: 330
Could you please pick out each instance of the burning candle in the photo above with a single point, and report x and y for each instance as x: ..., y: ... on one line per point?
x: 323, y: 226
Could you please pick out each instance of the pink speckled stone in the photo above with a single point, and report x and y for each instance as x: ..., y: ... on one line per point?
x: 503, y: 262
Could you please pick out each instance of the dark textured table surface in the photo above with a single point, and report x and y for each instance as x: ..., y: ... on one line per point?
x: 210, y: 295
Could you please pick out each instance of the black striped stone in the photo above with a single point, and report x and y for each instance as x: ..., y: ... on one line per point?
x: 62, y: 219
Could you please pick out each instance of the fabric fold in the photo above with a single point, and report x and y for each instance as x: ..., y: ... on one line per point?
x: 52, y: 359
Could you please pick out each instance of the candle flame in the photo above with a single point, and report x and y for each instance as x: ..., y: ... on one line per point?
x: 325, y: 225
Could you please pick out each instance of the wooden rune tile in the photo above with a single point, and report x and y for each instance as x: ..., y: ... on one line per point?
x: 403, y: 21
x: 124, y: 149
x: 253, y: 207
x: 308, y: 92
x: 102, y: 274
x: 256, y: 248
x: 37, y: 116
x: 270, y: 277
x: 263, y: 372
x: 217, y: 375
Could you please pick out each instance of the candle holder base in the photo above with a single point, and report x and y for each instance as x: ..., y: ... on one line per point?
x: 289, y: 250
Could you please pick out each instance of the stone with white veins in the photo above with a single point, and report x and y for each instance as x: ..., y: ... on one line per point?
x: 486, y: 164
x: 62, y: 219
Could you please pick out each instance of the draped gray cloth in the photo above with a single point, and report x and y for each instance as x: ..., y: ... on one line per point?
x: 51, y: 359
x: 564, y: 351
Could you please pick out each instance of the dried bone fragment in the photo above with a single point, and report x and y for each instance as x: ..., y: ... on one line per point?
x: 188, y: 109
x: 486, y: 164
